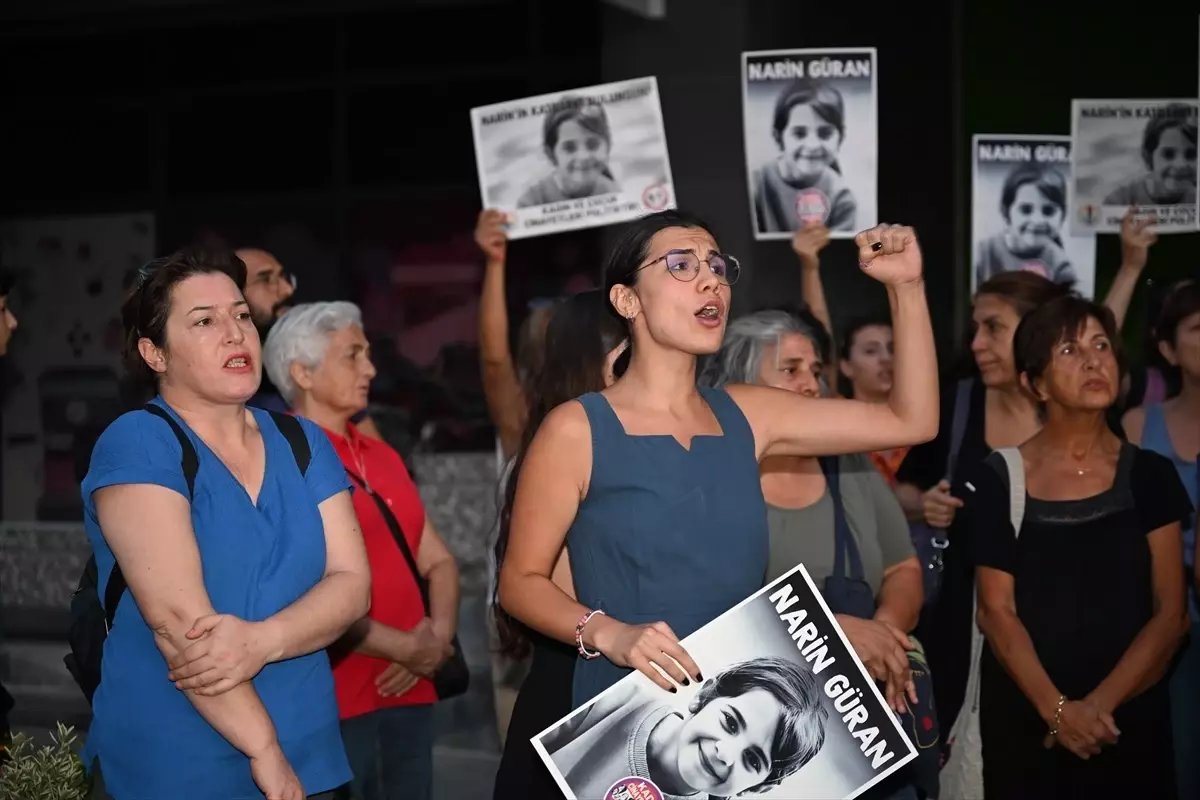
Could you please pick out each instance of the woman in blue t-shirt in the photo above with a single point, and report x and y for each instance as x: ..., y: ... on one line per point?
x: 215, y: 683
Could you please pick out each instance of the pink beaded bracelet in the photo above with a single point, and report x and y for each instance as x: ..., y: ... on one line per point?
x: 579, y: 645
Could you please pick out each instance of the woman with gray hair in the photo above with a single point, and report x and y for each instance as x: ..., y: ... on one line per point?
x: 835, y: 515
x: 320, y: 360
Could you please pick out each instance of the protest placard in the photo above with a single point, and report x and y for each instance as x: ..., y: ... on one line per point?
x: 576, y: 159
x: 810, y: 140
x: 786, y: 710
x: 1019, y: 191
x: 1138, y: 154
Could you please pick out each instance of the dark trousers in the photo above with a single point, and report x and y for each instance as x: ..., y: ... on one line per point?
x: 344, y: 793
x: 391, y: 753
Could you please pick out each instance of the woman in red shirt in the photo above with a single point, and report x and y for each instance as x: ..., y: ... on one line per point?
x: 319, y: 359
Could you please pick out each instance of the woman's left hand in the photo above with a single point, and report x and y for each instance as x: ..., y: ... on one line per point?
x: 882, y: 649
x: 230, y: 651
x: 890, y: 254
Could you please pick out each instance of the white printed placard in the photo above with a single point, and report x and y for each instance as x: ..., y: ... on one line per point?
x: 1020, y: 186
x: 786, y: 710
x: 1133, y: 154
x: 576, y: 159
x: 811, y: 140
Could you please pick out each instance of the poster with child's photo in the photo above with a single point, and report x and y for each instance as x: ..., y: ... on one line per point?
x: 577, y: 159
x: 811, y: 140
x: 1019, y: 190
x: 1133, y: 154
x: 786, y: 710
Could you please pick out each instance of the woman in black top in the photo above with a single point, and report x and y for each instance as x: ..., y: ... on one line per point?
x: 583, y: 348
x: 1083, y: 607
x: 998, y: 414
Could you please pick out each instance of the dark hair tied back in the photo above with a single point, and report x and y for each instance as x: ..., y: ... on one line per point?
x: 632, y: 249
x: 148, y: 303
x: 1023, y: 290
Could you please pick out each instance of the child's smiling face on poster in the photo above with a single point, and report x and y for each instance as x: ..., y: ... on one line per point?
x: 725, y: 747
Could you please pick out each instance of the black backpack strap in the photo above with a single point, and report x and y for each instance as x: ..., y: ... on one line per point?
x: 191, y: 461
x: 116, y: 585
x: 293, y: 431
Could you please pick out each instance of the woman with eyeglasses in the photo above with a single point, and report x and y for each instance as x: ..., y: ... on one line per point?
x: 653, y: 483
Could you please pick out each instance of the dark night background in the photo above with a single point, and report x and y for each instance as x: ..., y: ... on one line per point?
x: 337, y: 134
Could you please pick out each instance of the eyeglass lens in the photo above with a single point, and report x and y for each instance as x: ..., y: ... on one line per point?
x: 685, y: 266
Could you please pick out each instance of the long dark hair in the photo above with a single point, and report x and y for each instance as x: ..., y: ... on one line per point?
x: 579, y: 336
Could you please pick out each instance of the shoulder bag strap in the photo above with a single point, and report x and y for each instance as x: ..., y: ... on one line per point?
x: 958, y: 423
x: 397, y: 534
x: 1016, y: 487
x: 958, y: 429
x: 1015, y: 466
x: 293, y: 431
x: 844, y: 543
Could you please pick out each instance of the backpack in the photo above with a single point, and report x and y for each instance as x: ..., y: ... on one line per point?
x: 91, y: 621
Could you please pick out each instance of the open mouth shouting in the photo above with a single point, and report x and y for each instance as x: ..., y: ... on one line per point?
x: 712, y: 313
x: 239, y: 362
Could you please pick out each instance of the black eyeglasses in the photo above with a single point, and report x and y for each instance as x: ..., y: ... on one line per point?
x: 684, y: 265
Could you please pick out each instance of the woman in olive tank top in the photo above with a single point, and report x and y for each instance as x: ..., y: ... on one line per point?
x: 653, y: 483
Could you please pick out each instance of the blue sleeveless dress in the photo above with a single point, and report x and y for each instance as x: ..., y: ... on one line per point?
x: 666, y: 533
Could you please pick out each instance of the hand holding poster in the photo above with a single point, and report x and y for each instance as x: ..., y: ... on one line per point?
x: 811, y: 147
x: 786, y: 710
x: 577, y: 159
x: 1138, y: 154
x: 1018, y: 210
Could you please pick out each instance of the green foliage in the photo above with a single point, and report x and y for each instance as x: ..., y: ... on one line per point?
x: 50, y: 772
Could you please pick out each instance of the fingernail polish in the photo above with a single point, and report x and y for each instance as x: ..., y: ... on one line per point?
x: 686, y: 682
x: 699, y: 678
x: 673, y: 690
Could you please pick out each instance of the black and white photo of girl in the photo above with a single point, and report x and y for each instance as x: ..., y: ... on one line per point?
x: 1138, y: 154
x: 746, y: 730
x: 577, y: 142
x: 810, y: 140
x: 1169, y: 156
x: 770, y: 721
x: 1019, y: 210
x: 581, y: 158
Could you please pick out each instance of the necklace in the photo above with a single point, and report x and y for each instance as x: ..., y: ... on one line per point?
x: 1084, y: 470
